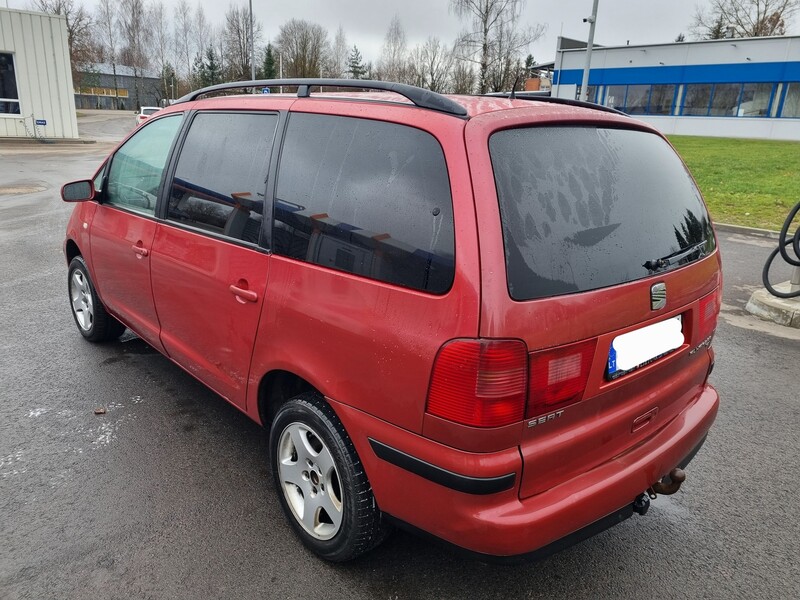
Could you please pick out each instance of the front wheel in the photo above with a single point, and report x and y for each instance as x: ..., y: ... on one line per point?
x: 91, y: 317
x: 321, y: 483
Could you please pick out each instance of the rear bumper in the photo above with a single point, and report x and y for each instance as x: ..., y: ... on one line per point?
x: 498, y: 523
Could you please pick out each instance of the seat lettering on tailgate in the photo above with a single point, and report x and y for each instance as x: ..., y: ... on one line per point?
x: 545, y: 418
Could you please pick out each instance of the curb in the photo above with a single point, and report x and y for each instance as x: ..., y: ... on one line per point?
x: 766, y: 233
x: 44, y: 141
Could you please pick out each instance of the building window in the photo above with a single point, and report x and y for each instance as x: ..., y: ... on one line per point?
x: 755, y: 99
x: 641, y: 99
x: 591, y: 93
x: 637, y: 99
x: 791, y: 104
x: 696, y: 99
x: 661, y: 100
x: 725, y: 99
x: 9, y: 98
x: 615, y: 96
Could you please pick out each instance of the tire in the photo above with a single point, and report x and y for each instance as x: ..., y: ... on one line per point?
x: 321, y: 483
x: 91, y: 317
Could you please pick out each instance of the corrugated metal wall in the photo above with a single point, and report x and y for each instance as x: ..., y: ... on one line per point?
x: 44, y: 79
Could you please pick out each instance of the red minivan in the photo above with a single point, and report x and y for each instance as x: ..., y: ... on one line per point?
x: 482, y: 318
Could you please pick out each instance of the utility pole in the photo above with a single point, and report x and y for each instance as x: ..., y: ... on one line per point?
x: 252, y: 46
x: 585, y: 83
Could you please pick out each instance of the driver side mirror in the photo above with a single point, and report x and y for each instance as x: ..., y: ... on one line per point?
x: 78, y: 191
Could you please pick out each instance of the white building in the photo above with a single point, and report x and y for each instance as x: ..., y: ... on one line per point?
x: 738, y: 87
x: 36, y: 95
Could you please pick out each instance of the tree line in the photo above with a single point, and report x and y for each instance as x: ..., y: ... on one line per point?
x: 186, y: 51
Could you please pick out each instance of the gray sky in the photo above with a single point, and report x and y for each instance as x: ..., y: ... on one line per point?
x: 365, y: 21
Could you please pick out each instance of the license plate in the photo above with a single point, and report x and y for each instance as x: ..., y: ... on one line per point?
x: 635, y: 349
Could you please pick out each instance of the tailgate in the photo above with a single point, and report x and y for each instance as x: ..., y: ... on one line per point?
x: 598, y: 253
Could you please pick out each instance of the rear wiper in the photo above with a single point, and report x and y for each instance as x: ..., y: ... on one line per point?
x: 675, y: 258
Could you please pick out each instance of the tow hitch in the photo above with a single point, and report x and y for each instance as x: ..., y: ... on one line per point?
x: 667, y: 486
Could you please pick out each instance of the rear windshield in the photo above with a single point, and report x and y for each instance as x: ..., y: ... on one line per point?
x: 585, y: 208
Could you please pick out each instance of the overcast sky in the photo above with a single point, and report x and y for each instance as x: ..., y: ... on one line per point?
x: 365, y: 21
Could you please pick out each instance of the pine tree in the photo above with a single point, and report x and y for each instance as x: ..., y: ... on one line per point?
x: 718, y: 30
x: 355, y: 65
x: 213, y: 70
x: 268, y: 67
x: 199, y: 74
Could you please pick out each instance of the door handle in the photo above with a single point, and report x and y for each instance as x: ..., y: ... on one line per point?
x: 244, y: 294
x: 141, y: 251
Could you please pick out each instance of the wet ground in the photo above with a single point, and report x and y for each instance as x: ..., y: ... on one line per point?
x: 168, y: 494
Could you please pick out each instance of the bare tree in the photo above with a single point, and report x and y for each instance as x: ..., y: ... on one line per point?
x: 431, y: 64
x: 304, y: 47
x: 339, y: 54
x: 495, y: 38
x: 236, y: 36
x: 162, y: 43
x: 79, y: 32
x: 746, y: 18
x: 134, y: 24
x: 107, y: 38
x: 202, y: 32
x: 183, y: 39
x: 393, y: 63
x: 462, y: 78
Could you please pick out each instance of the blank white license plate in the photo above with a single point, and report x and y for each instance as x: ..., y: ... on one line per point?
x: 634, y: 349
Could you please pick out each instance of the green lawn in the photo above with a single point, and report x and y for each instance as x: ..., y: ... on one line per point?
x: 745, y: 182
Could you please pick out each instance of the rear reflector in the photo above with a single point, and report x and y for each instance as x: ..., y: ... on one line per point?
x: 709, y: 309
x: 558, y: 376
x: 481, y: 383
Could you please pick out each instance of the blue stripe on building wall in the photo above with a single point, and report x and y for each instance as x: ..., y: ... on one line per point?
x: 728, y: 73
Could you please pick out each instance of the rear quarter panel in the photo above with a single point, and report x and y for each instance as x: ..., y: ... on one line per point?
x: 363, y: 343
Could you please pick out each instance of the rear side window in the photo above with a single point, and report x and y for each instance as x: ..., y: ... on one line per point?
x: 220, y: 180
x: 366, y: 197
x: 584, y: 208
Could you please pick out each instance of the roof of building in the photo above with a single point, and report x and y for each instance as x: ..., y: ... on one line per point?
x: 123, y: 70
x: 598, y: 47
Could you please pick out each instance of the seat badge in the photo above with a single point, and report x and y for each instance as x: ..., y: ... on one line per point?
x: 658, y: 296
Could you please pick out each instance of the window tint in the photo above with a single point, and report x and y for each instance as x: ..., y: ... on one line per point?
x: 585, y: 208
x: 9, y: 98
x: 220, y: 180
x: 137, y: 167
x: 366, y: 197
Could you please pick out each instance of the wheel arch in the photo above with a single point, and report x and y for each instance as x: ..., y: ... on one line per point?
x: 71, y: 250
x: 276, y: 388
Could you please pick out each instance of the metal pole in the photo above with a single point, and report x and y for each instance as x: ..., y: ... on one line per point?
x: 280, y: 68
x: 794, y: 284
x: 252, y: 46
x: 585, y: 83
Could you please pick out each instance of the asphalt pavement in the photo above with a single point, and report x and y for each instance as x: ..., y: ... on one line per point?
x: 168, y: 494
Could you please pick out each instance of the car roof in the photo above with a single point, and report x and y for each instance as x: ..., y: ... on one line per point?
x: 474, y: 105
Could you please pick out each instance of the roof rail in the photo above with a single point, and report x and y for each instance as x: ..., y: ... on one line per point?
x: 534, y: 97
x: 418, y: 96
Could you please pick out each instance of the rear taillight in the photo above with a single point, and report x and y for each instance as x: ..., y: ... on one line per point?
x: 558, y: 376
x: 481, y: 383
x: 708, y: 311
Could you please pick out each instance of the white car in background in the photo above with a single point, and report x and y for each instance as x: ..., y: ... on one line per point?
x: 144, y: 114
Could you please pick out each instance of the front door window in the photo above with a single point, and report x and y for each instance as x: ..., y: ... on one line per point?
x: 137, y: 167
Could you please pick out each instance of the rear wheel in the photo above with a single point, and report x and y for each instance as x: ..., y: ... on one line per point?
x: 91, y: 317
x: 321, y: 483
